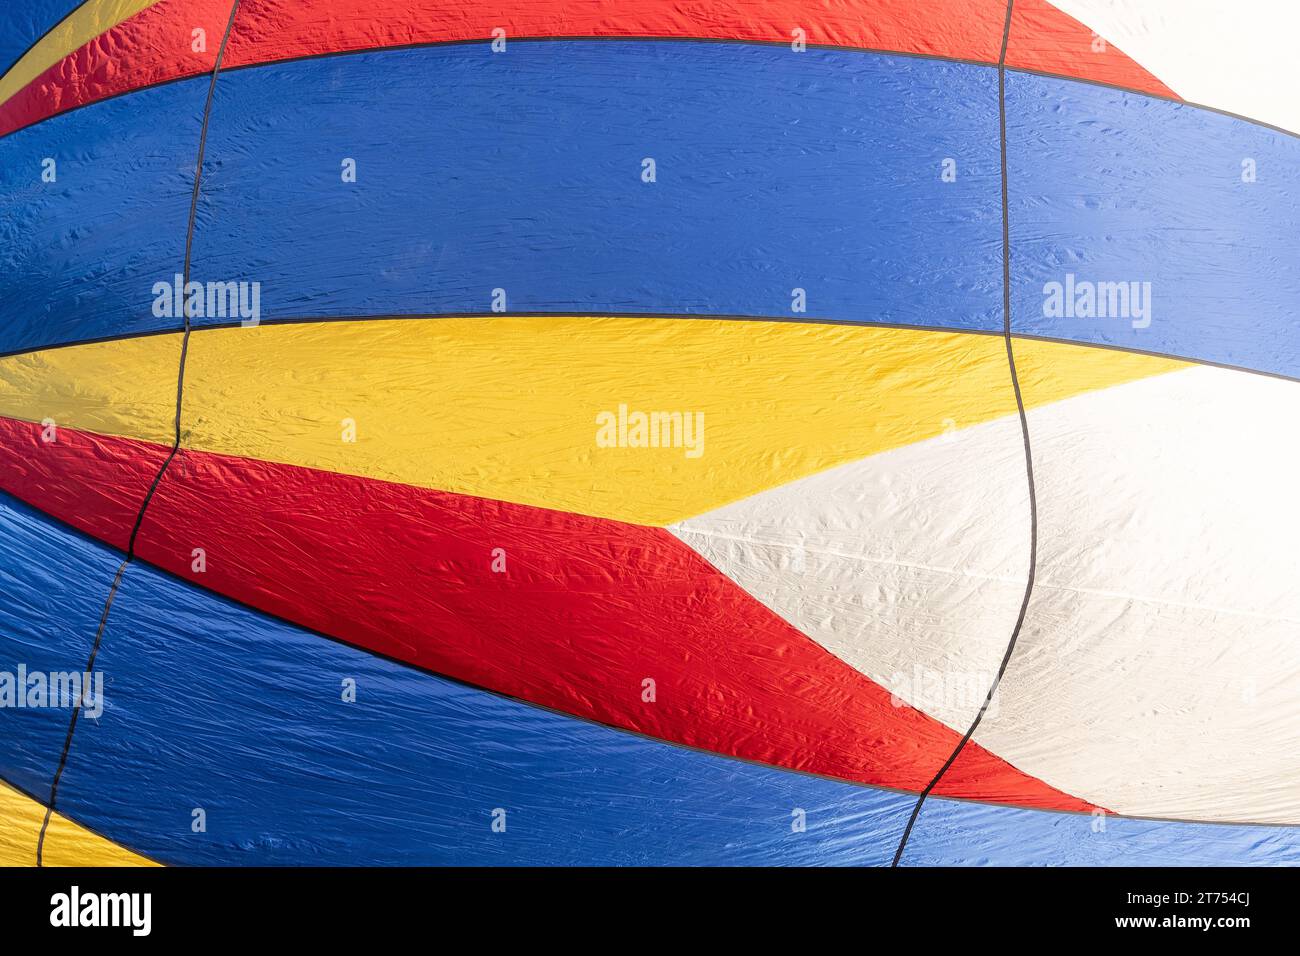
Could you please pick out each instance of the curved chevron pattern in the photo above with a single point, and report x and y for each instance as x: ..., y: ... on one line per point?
x: 589, y: 481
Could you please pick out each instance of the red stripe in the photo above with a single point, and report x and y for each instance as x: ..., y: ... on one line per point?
x: 151, y: 47
x: 154, y: 45
x: 586, y: 610
x: 49, y: 469
x: 1049, y: 41
x: 961, y: 29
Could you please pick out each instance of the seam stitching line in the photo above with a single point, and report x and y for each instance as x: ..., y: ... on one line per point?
x: 176, y: 444
x: 1029, y: 460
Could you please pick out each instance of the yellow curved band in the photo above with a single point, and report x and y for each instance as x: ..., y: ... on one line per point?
x: 66, y: 843
x: 512, y: 407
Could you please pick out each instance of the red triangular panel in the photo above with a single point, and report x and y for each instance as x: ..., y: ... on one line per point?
x: 585, y: 610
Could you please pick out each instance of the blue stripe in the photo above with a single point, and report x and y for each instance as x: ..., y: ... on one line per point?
x: 1118, y: 187
x: 213, y: 706
x: 79, y: 256
x: 523, y: 171
x: 775, y: 171
x: 52, y: 589
x: 951, y: 833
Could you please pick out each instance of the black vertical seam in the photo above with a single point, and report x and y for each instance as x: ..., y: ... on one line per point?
x: 176, y: 441
x: 1024, y: 431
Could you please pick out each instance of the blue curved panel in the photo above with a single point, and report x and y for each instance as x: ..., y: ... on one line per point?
x: 951, y: 833
x: 1114, y: 187
x: 53, y: 584
x: 524, y: 172
x: 214, y: 706
x: 79, y: 256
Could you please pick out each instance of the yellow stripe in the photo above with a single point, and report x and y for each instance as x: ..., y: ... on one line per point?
x: 125, y: 388
x: 80, y: 27
x: 66, y: 843
x: 507, y: 407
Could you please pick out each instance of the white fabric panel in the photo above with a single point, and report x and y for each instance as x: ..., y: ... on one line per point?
x: 1158, y: 672
x: 907, y: 565
x: 1237, y: 56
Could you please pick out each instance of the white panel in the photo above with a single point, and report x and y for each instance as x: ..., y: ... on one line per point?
x: 1237, y: 56
x: 1158, y: 672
